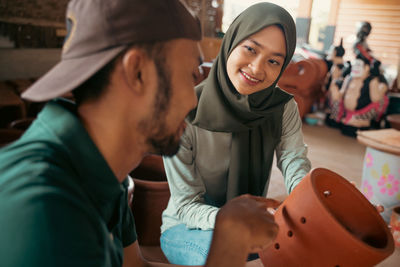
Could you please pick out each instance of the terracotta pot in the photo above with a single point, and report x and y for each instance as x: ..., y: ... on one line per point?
x: 395, y: 225
x: 151, y: 168
x: 150, y: 198
x: 326, y: 221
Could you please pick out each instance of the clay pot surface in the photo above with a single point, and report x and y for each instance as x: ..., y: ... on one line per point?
x: 326, y: 221
x: 150, y: 198
x: 151, y: 168
x: 395, y: 225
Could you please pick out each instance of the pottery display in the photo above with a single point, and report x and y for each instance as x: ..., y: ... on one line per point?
x: 395, y: 225
x: 326, y: 221
x: 381, y: 180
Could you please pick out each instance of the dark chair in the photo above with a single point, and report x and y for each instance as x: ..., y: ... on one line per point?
x: 8, y: 136
x: 21, y: 124
x: 11, y: 105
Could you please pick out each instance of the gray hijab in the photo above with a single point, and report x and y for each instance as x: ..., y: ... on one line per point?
x: 254, y: 120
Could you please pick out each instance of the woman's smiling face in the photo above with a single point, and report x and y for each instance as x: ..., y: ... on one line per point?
x: 255, y: 63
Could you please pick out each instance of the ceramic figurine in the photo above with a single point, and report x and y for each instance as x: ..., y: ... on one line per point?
x: 360, y: 45
x: 333, y: 83
x: 364, y: 97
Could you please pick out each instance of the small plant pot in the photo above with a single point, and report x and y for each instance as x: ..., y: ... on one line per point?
x: 326, y: 221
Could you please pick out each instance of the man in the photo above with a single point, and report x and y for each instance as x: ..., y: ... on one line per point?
x: 131, y: 66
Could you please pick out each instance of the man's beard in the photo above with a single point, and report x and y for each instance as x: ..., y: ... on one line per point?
x: 167, y: 145
x: 159, y: 139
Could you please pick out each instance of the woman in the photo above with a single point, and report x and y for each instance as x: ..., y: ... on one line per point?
x: 228, y: 145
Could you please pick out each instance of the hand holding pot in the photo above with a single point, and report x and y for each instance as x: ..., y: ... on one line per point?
x: 245, y: 224
x: 248, y: 217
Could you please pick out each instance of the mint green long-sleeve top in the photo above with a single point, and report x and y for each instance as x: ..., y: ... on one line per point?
x: 197, y: 175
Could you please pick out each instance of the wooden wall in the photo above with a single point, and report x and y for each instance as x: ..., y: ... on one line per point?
x: 209, y: 15
x: 384, y: 16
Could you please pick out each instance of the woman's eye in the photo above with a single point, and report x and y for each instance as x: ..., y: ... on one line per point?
x: 274, y: 62
x: 250, y: 49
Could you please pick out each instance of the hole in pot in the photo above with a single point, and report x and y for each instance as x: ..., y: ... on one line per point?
x: 349, y: 208
x: 277, y: 246
x: 290, y: 233
x: 303, y: 220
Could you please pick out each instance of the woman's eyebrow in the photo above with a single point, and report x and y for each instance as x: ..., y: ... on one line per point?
x: 262, y: 47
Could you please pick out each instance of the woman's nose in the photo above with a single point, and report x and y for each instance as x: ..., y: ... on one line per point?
x: 257, y: 66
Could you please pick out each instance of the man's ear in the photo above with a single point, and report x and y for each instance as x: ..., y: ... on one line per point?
x: 133, y: 64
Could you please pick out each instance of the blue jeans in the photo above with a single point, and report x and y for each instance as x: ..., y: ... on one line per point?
x: 186, y: 246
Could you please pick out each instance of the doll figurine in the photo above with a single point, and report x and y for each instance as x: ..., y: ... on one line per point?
x: 364, y: 98
x: 360, y: 46
x: 333, y: 83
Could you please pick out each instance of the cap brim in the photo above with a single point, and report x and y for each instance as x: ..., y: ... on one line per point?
x: 68, y: 74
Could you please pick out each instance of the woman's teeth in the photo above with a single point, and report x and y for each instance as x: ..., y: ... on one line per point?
x: 249, y: 77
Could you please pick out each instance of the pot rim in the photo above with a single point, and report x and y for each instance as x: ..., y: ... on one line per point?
x: 317, y: 172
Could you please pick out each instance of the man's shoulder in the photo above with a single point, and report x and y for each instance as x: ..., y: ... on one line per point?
x: 27, y: 160
x: 37, y: 174
x: 44, y: 207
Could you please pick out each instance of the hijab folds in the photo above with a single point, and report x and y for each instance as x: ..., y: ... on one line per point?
x: 255, y: 121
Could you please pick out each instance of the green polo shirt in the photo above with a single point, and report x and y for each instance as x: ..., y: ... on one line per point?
x: 60, y: 203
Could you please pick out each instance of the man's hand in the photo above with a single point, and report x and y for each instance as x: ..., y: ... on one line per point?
x: 249, y: 219
x: 243, y: 225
